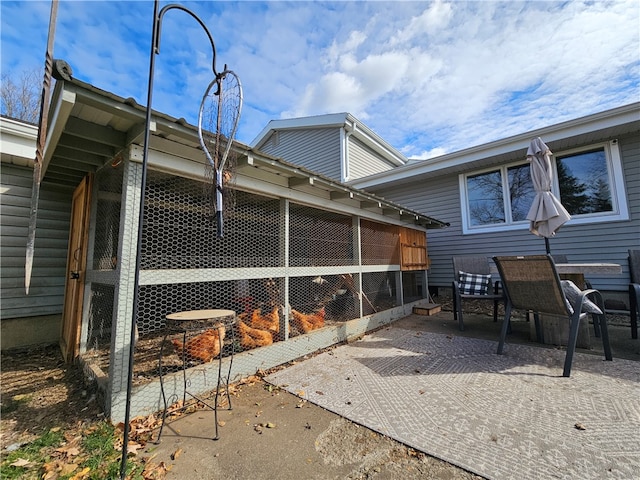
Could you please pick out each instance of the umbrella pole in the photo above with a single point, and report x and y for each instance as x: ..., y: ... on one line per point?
x: 546, y: 245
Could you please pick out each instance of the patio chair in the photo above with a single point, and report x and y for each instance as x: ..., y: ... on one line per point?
x: 562, y: 258
x: 634, y: 290
x: 532, y: 283
x: 473, y: 282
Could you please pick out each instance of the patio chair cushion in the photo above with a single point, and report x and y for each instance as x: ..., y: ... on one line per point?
x: 473, y: 283
x: 572, y: 292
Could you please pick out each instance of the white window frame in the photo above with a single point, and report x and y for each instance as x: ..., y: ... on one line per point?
x: 617, y: 186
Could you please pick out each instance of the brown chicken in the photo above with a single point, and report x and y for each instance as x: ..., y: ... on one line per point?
x: 253, y: 337
x: 306, y: 322
x: 204, y: 347
x: 269, y: 322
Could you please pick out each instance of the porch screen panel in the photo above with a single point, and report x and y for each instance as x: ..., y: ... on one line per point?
x: 380, y: 243
x: 180, y: 230
x: 379, y: 292
x: 413, y: 287
x: 319, y: 238
x: 108, y: 190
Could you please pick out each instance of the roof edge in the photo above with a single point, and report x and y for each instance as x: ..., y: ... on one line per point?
x: 598, y: 121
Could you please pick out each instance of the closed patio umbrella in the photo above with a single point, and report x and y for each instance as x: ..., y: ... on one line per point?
x: 546, y: 214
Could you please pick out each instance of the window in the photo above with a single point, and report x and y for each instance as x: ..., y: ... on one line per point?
x: 584, y: 182
x: 487, y: 202
x: 588, y: 182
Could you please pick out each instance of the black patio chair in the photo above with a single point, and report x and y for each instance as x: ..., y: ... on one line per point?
x: 532, y: 283
x: 634, y: 290
x: 472, y: 281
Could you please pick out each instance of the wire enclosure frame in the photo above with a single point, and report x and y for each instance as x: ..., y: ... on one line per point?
x: 277, y: 257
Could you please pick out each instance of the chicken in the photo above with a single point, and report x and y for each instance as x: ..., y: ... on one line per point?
x: 253, y: 337
x: 269, y: 322
x: 306, y: 322
x: 204, y: 347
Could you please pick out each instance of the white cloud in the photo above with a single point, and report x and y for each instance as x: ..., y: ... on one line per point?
x: 428, y: 77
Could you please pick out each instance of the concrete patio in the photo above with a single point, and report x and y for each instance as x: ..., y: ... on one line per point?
x: 298, y: 445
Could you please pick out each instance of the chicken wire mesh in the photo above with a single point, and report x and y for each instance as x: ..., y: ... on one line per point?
x: 104, y: 256
x: 280, y: 288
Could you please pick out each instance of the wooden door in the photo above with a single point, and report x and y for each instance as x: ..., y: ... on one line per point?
x: 413, y: 244
x: 76, y: 269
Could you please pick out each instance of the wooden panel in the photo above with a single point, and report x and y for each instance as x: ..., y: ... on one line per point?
x: 76, y: 270
x: 413, y: 249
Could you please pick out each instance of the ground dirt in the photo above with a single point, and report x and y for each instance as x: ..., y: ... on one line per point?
x: 39, y: 392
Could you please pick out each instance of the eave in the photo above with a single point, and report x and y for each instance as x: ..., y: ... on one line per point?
x: 90, y: 127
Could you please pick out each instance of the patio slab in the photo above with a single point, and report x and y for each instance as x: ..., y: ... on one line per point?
x: 510, y: 416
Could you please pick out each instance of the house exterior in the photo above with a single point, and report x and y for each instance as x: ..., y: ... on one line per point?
x: 336, y: 145
x: 293, y: 239
x: 35, y: 318
x: 602, y: 149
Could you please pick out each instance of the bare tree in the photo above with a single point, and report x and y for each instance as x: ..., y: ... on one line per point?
x: 20, y: 95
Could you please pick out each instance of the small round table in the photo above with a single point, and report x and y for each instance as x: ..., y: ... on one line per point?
x: 190, y: 324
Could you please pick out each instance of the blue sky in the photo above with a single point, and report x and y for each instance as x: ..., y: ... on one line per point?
x: 428, y: 77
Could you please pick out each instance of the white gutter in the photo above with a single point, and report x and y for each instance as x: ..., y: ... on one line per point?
x: 58, y: 116
x: 18, y: 140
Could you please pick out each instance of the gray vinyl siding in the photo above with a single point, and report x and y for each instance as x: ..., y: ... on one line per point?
x: 46, y: 294
x: 363, y: 161
x: 598, y: 242
x: 317, y: 149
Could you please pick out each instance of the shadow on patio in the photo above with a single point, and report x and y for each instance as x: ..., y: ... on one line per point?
x: 479, y: 324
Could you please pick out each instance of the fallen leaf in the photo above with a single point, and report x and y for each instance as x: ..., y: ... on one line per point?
x: 319, y: 392
x: 21, y: 462
x: 67, y: 469
x: 221, y: 423
x: 132, y: 448
x: 270, y: 425
x: 81, y: 474
x: 580, y: 426
x: 69, y: 450
x: 50, y: 475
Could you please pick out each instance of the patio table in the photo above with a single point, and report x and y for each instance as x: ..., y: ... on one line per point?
x: 582, y: 268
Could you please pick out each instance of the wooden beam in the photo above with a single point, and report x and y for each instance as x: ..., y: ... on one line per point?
x: 341, y: 195
x: 298, y: 181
